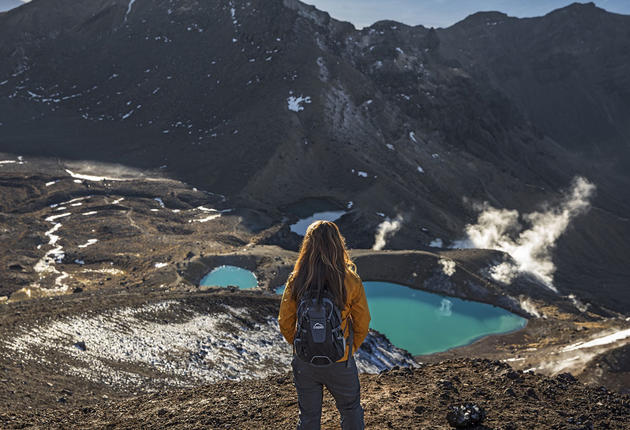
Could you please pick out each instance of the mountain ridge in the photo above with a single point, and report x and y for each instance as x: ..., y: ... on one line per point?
x: 297, y: 104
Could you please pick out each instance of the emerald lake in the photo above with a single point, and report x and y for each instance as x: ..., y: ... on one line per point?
x: 418, y: 321
x: 424, y: 323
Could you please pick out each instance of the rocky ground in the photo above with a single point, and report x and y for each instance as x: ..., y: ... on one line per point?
x: 72, y: 349
x: 103, y: 322
x: 400, y: 399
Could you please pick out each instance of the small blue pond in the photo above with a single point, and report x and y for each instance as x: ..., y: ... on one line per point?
x: 420, y: 322
x: 230, y: 275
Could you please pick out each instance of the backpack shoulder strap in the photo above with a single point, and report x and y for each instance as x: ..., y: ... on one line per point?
x: 350, y: 339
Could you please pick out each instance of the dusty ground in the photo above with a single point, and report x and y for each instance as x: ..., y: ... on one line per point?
x: 399, y: 399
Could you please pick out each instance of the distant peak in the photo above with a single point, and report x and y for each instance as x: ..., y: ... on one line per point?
x: 577, y: 5
x: 580, y: 8
x: 483, y: 17
x: 491, y: 14
x: 388, y: 24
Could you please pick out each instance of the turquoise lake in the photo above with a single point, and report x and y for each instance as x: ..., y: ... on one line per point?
x: 230, y: 275
x: 418, y: 321
x: 424, y: 323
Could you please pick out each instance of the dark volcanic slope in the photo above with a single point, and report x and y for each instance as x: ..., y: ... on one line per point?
x: 568, y: 70
x: 270, y: 101
x: 206, y: 87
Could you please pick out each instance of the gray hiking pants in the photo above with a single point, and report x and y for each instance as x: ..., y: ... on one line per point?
x: 341, y: 381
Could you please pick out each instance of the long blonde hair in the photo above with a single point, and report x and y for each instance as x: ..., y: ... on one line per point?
x: 322, y: 261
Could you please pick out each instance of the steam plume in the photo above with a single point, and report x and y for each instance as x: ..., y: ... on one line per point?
x: 385, y: 229
x: 532, y: 247
x: 448, y: 266
x: 530, y: 307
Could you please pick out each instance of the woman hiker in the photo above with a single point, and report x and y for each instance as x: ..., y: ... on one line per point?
x: 325, y: 301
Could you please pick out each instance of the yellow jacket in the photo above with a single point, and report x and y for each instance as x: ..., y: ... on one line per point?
x: 356, y: 307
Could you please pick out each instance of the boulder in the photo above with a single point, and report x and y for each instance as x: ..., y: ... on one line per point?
x: 465, y: 416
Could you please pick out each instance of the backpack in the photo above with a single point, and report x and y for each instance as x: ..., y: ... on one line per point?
x: 319, y: 339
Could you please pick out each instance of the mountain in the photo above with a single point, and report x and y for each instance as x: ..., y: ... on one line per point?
x: 271, y: 102
x: 568, y: 70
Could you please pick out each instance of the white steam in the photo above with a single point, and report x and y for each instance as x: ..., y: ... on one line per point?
x: 385, y: 229
x: 579, y: 305
x: 530, y: 248
x: 529, y: 307
x: 448, y: 266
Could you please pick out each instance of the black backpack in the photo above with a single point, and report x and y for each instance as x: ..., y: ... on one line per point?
x: 319, y: 339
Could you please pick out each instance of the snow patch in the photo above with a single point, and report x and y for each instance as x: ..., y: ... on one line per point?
x: 196, y: 348
x: 88, y: 243
x: 208, y: 218
x: 46, y: 265
x: 20, y: 160
x: 54, y: 217
x: 295, y: 103
x: 93, y: 178
x: 436, y: 243
x: 301, y: 226
x: 599, y: 341
x: 205, y: 209
x: 360, y: 173
x: 131, y: 2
